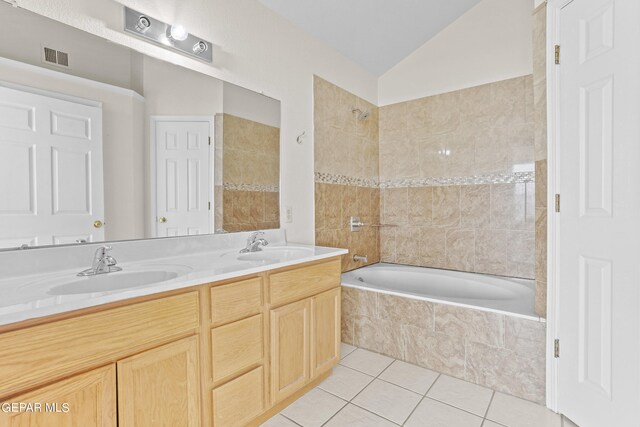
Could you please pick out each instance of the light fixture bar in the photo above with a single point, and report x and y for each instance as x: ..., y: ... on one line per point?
x: 148, y: 28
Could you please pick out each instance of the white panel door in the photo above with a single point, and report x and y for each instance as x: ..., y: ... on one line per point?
x: 51, y: 189
x: 598, y: 241
x: 183, y: 178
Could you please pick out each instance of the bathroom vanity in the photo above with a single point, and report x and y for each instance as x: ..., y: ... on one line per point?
x: 225, y: 347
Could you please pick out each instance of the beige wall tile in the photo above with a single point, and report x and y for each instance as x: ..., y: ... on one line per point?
x: 408, y: 244
x: 491, y: 252
x: 436, y: 351
x: 446, y: 206
x: 381, y: 336
x: 525, y: 337
x: 405, y: 311
x: 347, y: 334
x: 473, y: 325
x: 506, y: 371
x: 420, y: 201
x: 521, y: 253
x: 510, y: 208
x: 475, y: 206
x: 541, y: 183
x: 356, y: 302
x: 395, y: 209
x: 388, y: 244
x: 461, y: 249
x: 433, y: 247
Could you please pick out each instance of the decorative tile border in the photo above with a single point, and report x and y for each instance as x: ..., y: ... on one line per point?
x: 328, y: 178
x: 251, y: 187
x: 497, y: 178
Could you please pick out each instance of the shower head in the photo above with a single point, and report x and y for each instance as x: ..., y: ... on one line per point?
x: 362, y: 115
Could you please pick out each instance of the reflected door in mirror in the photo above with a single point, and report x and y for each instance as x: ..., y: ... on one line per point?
x: 183, y: 177
x: 51, y: 177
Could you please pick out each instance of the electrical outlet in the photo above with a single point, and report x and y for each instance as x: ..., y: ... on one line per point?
x: 288, y: 214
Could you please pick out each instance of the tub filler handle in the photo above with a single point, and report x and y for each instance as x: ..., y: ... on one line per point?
x: 360, y: 258
x: 355, y: 224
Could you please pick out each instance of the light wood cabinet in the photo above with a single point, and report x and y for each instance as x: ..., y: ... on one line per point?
x: 235, y: 301
x: 227, y: 354
x: 325, y: 331
x: 160, y: 387
x: 290, y: 339
x: 240, y: 400
x: 237, y: 347
x: 295, y: 284
x: 91, y: 400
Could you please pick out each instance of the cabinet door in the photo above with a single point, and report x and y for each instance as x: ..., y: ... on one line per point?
x: 325, y: 331
x: 160, y: 387
x: 84, y: 400
x: 289, y: 348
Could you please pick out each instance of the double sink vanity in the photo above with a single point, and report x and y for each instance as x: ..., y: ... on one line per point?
x: 193, y: 331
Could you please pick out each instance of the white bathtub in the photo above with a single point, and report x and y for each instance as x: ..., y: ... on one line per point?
x: 479, y: 291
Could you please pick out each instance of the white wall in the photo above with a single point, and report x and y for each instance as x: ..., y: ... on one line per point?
x: 249, y: 105
x: 491, y: 42
x: 254, y: 48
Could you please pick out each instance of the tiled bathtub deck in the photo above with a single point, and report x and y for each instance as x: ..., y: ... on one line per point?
x: 371, y: 390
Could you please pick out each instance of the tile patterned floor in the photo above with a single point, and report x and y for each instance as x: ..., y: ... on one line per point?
x: 371, y: 390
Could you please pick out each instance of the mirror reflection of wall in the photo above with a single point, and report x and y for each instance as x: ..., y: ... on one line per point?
x: 99, y: 142
x: 251, y: 146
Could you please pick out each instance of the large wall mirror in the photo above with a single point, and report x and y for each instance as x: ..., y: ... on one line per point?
x: 99, y: 143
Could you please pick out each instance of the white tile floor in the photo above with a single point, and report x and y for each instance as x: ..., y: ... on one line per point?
x: 371, y: 390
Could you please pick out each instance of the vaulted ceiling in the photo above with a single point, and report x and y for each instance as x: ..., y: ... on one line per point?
x: 376, y: 34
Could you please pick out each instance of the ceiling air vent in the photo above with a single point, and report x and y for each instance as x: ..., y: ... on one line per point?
x: 55, y: 57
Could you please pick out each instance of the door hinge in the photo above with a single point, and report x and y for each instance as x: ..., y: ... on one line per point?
x: 556, y: 348
x: 557, y: 54
x: 209, y: 140
x: 209, y: 205
x: 557, y: 203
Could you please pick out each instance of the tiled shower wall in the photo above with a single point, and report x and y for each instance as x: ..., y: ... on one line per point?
x: 457, y: 179
x: 251, y: 174
x: 346, y: 172
x: 539, y: 28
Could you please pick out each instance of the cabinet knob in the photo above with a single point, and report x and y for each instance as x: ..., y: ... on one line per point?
x: 97, y: 223
x: 162, y: 219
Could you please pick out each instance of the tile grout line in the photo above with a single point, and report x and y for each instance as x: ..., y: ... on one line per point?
x: 300, y: 425
x: 337, y: 412
x: 424, y: 396
x: 489, y: 405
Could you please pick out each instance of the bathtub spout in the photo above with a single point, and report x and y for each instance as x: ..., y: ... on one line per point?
x: 360, y: 258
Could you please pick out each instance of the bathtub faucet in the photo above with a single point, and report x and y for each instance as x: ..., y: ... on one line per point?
x: 360, y: 258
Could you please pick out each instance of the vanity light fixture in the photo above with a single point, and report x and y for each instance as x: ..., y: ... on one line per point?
x: 177, y: 32
x: 200, y: 47
x: 167, y: 35
x: 143, y: 24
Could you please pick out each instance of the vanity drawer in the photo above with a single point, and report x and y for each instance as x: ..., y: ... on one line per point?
x: 293, y: 285
x: 237, y: 346
x: 235, y: 301
x: 44, y: 353
x: 239, y: 401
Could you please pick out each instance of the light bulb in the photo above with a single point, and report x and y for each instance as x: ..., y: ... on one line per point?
x: 178, y: 32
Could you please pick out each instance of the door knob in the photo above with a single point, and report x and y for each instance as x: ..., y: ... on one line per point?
x: 162, y: 219
x: 97, y: 223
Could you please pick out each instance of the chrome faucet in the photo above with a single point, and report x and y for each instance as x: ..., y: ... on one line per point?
x: 253, y: 243
x: 103, y: 263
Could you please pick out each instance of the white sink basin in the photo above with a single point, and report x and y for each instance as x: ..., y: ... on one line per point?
x: 277, y: 254
x: 112, y: 282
